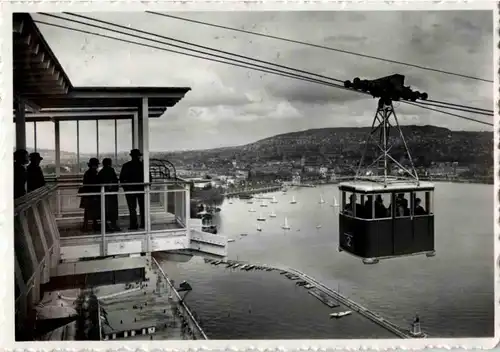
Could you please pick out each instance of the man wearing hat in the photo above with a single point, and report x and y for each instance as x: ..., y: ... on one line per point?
x: 34, y: 173
x: 20, y: 159
x: 133, y: 172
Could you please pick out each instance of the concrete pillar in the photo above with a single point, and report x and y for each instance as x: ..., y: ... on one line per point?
x: 116, y: 141
x: 144, y: 145
x: 97, y: 138
x: 78, y: 146
x: 135, y: 131
x: 20, y: 125
x: 58, y: 148
x: 34, y: 137
x: 144, y: 137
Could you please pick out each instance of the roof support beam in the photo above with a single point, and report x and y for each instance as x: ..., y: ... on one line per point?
x: 20, y: 125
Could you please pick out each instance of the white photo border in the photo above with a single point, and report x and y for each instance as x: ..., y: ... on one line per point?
x: 7, y: 342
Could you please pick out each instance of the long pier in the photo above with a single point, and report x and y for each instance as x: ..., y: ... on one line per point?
x: 396, y: 330
x: 367, y: 313
x: 253, y: 191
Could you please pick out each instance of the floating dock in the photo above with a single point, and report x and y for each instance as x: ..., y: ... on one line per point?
x: 324, y: 298
x: 323, y: 293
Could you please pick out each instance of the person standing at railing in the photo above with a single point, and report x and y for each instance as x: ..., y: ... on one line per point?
x: 91, y: 203
x: 35, y: 178
x: 20, y: 160
x: 107, y: 175
x: 133, y: 172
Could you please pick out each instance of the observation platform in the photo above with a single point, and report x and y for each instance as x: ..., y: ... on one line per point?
x: 51, y: 250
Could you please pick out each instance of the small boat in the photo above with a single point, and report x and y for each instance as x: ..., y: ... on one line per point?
x: 335, y: 203
x: 321, y: 200
x: 293, y: 201
x: 274, y: 200
x: 245, y: 196
x: 285, y: 226
x: 263, y: 204
x: 318, y: 226
x: 230, y: 202
x: 250, y: 202
x: 308, y: 286
x: 251, y: 210
x: 261, y: 218
x: 230, y: 240
x: 272, y: 215
x: 244, y: 234
x: 340, y: 314
x: 259, y: 228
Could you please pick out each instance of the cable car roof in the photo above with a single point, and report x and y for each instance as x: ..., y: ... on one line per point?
x: 366, y: 186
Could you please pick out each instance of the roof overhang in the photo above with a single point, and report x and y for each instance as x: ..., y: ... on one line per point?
x: 118, y: 113
x: 41, y: 83
x: 36, y: 68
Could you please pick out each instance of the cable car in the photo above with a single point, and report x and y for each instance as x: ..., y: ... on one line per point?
x: 386, y: 212
x: 372, y: 229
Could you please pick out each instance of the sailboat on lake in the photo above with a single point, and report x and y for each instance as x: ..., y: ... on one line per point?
x: 285, y: 226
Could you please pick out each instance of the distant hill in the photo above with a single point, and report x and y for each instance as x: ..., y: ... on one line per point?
x: 329, y: 145
x: 426, y: 144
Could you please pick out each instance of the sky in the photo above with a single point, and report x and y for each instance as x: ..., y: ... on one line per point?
x: 233, y: 106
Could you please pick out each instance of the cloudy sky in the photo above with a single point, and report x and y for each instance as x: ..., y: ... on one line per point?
x: 231, y: 105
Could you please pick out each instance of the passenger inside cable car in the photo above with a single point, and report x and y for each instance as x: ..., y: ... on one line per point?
x: 380, y: 222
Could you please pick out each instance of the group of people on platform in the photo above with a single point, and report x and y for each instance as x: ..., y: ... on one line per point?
x: 132, y: 173
x: 27, y: 178
x: 375, y: 209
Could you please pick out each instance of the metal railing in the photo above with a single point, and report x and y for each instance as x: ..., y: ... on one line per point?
x: 165, y: 207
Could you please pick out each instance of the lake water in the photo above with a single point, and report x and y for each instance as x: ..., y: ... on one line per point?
x: 453, y: 292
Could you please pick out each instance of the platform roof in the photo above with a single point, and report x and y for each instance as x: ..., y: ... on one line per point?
x: 41, y: 82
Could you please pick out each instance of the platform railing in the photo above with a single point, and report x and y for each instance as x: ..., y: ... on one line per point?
x: 166, y: 213
x: 37, y: 251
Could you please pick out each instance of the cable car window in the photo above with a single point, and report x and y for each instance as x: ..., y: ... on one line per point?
x: 402, y: 205
x: 368, y: 206
x: 419, y: 206
x: 381, y: 205
x: 359, y: 211
x: 348, y: 202
x: 429, y: 202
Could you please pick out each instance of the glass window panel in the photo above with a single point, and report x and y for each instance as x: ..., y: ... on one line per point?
x: 402, y: 204
x: 381, y: 205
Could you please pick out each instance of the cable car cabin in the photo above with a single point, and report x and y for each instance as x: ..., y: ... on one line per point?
x: 372, y: 229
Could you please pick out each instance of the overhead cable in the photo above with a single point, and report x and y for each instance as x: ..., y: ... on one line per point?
x: 213, y: 49
x: 248, y: 65
x: 202, y: 46
x: 320, y: 46
x: 448, y: 113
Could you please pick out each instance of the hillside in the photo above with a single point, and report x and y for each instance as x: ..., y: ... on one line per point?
x: 426, y: 144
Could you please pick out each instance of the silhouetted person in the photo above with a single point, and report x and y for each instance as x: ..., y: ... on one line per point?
x: 349, y: 207
x: 133, y: 172
x: 368, y: 208
x: 91, y: 203
x: 34, y: 173
x: 380, y: 209
x: 419, y: 210
x: 107, y: 175
x: 20, y: 160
